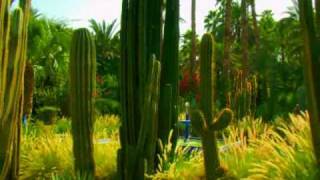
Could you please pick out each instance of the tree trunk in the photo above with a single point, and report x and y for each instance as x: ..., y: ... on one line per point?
x: 227, y: 49
x: 193, y: 39
x: 255, y: 24
x: 244, y: 38
x: 318, y: 16
x: 28, y: 89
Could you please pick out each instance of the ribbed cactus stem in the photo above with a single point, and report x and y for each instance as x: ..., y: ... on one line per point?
x: 203, y: 121
x: 148, y: 147
x: 165, y: 105
x: 139, y: 87
x: 170, y: 73
x: 82, y: 84
x: 207, y: 76
x: 13, y: 42
x: 311, y: 65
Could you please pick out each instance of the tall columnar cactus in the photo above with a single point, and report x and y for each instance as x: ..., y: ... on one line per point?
x: 136, y: 156
x: 139, y: 87
x: 82, y: 89
x: 311, y: 68
x: 13, y: 45
x: 203, y: 121
x: 168, y: 108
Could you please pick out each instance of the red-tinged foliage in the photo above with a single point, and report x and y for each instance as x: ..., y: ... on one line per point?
x: 190, y: 86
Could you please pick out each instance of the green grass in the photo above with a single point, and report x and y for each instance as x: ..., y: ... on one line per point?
x: 281, y: 150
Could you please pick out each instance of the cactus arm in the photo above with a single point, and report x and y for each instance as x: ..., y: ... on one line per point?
x: 198, y: 121
x: 222, y: 120
x: 150, y: 104
x: 152, y: 137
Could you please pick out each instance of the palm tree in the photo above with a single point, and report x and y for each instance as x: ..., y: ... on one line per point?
x: 107, y: 45
x: 290, y: 35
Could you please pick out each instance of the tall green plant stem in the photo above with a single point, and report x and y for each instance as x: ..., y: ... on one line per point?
x: 139, y: 87
x: 203, y: 120
x: 311, y: 64
x: 82, y: 90
x: 13, y: 45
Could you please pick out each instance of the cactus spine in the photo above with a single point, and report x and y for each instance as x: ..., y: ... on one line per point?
x: 13, y: 45
x: 311, y: 64
x: 82, y: 89
x: 139, y: 87
x: 203, y: 121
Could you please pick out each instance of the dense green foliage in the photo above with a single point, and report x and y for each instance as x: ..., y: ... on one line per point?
x: 48, y: 51
x: 276, y: 64
x: 107, y: 40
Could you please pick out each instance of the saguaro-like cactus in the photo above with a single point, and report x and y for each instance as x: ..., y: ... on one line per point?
x: 311, y: 68
x: 13, y: 43
x: 82, y: 85
x: 203, y: 121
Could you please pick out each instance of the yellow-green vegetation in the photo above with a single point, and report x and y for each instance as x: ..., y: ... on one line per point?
x: 255, y: 150
x: 249, y: 149
x: 46, y: 151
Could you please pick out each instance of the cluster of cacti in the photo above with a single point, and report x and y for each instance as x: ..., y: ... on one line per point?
x: 168, y: 108
x: 203, y: 121
x: 139, y: 87
x: 13, y: 45
x: 82, y: 90
x: 311, y: 34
